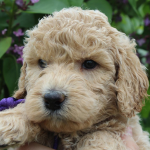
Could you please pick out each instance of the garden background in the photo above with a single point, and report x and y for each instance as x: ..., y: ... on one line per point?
x: 16, y: 16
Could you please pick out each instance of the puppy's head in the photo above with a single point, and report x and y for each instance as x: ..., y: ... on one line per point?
x: 79, y: 70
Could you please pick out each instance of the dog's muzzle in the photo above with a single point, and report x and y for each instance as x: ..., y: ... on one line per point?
x: 54, y: 99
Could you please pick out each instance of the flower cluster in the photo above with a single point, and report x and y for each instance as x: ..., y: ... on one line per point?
x: 147, y: 21
x: 16, y: 47
x: 140, y: 41
x: 16, y: 50
x: 18, y: 33
x: 4, y: 31
x: 118, y: 5
x: 143, y: 42
x: 23, y: 5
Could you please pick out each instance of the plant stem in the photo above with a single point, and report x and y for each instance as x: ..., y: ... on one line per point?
x: 11, y: 19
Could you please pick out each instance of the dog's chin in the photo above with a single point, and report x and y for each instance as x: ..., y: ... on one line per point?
x: 65, y: 126
x: 58, y: 121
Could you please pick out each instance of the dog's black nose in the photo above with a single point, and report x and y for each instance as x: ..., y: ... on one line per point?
x: 54, y: 99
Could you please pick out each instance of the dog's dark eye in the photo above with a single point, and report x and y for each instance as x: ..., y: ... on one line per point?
x: 42, y: 63
x: 89, y: 64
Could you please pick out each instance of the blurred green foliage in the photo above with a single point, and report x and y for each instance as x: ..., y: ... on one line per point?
x: 129, y: 16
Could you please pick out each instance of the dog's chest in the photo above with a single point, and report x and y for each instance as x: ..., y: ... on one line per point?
x: 70, y: 142
x: 63, y: 144
x: 59, y: 142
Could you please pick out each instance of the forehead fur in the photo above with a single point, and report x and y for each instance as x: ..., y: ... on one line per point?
x: 76, y: 34
x: 71, y: 32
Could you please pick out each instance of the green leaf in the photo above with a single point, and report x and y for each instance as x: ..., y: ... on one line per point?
x: 133, y: 4
x: 142, y: 52
x: 27, y: 1
x: 8, y: 2
x: 146, y: 109
x: 137, y: 25
x: 101, y: 5
x: 140, y: 30
x: 144, y: 9
x: 130, y: 25
x: 136, y: 22
x: 4, y: 45
x: 125, y: 25
x: 48, y: 6
x: 10, y: 72
x: 76, y: 2
x: 25, y: 20
x: 84, y: 5
x: 3, y: 19
x: 2, y: 94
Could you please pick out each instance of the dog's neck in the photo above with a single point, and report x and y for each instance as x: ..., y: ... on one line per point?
x: 111, y: 123
x: 115, y: 124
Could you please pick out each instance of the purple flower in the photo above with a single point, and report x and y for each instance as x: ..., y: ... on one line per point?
x: 148, y: 58
x: 137, y: 54
x: 124, y: 1
x: 12, y: 41
x: 20, y: 3
x: 118, y: 18
x: 10, y: 49
x: 18, y: 33
x: 20, y: 60
x: 4, y: 31
x: 34, y: 1
x: 18, y: 50
x: 140, y: 41
x: 147, y: 21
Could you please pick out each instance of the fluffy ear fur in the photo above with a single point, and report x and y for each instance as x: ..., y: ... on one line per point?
x: 21, y: 92
x: 131, y: 80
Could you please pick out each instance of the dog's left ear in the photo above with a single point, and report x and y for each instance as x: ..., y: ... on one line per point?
x: 131, y: 80
x: 21, y: 92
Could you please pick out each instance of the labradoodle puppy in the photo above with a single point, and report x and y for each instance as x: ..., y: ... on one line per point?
x: 82, y: 81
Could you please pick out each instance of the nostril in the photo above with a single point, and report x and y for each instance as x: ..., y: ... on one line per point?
x: 47, y: 102
x: 53, y: 99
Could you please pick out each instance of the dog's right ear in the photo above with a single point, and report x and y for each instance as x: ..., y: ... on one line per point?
x: 21, y: 92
